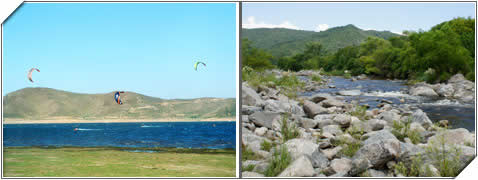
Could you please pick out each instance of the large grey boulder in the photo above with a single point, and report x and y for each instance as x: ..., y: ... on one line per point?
x: 379, y: 148
x: 460, y: 136
x: 274, y: 106
x: 408, y: 151
x: 457, y: 78
x: 445, y: 90
x: 312, y: 109
x: 261, y: 166
x: 332, y: 129
x: 245, y: 119
x: 421, y: 117
x: 282, y: 107
x: 264, y: 119
x: 376, y: 124
x: 250, y: 97
x: 332, y: 102
x: 414, y: 126
x: 250, y: 162
x: 332, y: 152
x: 301, y: 167
x: 318, y: 159
x: 359, y: 165
x: 464, y: 89
x: 268, y: 93
x: 251, y: 174
x: 422, y: 90
x: 307, y: 123
x: 342, y: 165
x: 377, y: 136
x: 376, y: 173
x: 324, y: 120
x: 260, y: 131
x: 299, y: 147
x: 355, y: 92
x: 389, y: 116
x: 253, y: 142
x: 248, y: 110
x: 317, y: 98
x: 343, y: 120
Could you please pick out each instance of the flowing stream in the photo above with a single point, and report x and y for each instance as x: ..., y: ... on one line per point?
x: 459, y: 115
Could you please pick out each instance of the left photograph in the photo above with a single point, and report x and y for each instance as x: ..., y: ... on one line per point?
x: 120, y: 90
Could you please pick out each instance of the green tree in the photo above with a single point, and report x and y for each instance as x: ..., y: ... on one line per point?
x: 254, y: 57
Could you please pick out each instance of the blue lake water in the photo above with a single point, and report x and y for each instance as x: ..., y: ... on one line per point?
x: 208, y: 135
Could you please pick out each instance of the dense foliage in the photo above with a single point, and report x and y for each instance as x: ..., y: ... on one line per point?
x: 432, y: 56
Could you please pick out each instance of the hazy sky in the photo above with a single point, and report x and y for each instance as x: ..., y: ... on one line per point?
x: 394, y: 17
x: 148, y: 48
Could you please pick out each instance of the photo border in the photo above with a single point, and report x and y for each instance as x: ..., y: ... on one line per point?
x: 237, y: 118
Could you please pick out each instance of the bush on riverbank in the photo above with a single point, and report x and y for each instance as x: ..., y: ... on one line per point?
x: 279, y: 161
x: 288, y: 84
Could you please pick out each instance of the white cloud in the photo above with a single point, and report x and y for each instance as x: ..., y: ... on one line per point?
x: 397, y: 32
x: 393, y: 31
x: 251, y: 24
x: 322, y: 27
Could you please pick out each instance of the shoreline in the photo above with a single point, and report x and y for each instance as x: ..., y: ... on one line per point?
x: 69, y: 121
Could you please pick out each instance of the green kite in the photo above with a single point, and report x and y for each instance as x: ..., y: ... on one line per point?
x: 197, y: 63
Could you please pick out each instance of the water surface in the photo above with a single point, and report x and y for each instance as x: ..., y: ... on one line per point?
x: 460, y: 115
x: 209, y: 135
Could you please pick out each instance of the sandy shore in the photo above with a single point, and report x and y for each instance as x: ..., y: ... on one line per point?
x: 47, y: 121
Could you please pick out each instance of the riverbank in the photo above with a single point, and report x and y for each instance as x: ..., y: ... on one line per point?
x: 63, y: 121
x: 298, y: 124
x: 117, y: 162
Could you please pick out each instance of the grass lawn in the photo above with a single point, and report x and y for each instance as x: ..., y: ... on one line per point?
x: 117, y: 162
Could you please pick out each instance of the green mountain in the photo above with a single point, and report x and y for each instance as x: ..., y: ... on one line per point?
x: 47, y: 103
x: 286, y: 42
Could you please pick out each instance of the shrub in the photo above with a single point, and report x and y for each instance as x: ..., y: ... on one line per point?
x: 288, y: 131
x: 248, y: 168
x: 316, y: 78
x: 447, y: 162
x: 470, y: 76
x: 355, y: 132
x: 360, y: 112
x: 279, y: 161
x: 401, y: 130
x: 248, y: 154
x: 349, y: 149
x: 347, y: 76
x: 266, y: 145
x: 289, y: 85
x: 256, y: 78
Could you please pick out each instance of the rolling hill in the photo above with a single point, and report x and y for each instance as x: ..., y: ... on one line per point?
x: 286, y: 42
x: 47, y: 103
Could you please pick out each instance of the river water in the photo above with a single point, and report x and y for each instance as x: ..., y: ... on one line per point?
x: 460, y: 115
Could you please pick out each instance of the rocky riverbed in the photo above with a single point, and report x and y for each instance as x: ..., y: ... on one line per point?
x: 326, y: 134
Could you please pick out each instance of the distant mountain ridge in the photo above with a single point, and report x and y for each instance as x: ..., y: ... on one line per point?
x: 47, y: 103
x: 286, y: 42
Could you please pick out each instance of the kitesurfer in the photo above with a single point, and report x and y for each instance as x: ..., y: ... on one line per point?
x: 118, y: 98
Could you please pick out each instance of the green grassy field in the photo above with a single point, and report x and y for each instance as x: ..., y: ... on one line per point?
x: 117, y: 162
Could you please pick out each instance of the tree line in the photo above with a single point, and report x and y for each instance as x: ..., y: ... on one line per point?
x: 433, y: 56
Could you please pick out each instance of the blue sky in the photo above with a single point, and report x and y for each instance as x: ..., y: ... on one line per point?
x: 394, y: 17
x: 148, y: 48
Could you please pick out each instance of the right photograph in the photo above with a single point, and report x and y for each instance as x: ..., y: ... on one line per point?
x: 357, y: 89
